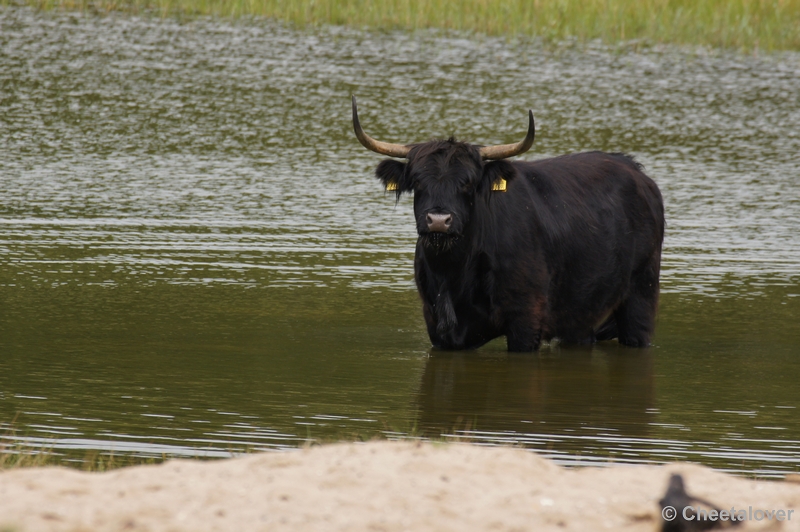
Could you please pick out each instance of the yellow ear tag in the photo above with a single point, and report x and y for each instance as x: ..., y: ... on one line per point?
x: 391, y: 185
x: 499, y: 185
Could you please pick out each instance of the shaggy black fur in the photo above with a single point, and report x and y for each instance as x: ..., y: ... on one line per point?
x: 572, y: 250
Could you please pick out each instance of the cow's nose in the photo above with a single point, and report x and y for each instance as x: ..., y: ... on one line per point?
x: 439, y: 223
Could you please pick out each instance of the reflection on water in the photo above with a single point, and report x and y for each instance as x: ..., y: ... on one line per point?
x: 606, y: 389
x: 196, y: 259
x: 593, y: 406
x: 555, y: 402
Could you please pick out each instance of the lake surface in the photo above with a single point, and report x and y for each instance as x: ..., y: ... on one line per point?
x: 196, y: 260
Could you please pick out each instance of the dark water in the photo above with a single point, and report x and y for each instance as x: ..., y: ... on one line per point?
x: 196, y: 260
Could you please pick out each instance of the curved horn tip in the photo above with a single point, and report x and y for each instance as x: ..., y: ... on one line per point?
x: 511, y: 150
x: 527, y: 142
x: 384, y: 148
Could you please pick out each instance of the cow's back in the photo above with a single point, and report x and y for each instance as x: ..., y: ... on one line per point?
x: 593, y: 219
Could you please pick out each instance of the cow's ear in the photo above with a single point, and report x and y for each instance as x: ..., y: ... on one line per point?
x: 393, y: 176
x: 496, y: 175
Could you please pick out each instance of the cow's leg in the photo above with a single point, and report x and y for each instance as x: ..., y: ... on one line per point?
x: 523, y: 336
x: 636, y: 315
x: 607, y: 331
x: 524, y: 326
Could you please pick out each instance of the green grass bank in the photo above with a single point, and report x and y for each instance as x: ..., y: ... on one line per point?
x: 746, y: 25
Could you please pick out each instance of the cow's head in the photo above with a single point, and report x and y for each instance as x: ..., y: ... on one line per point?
x: 448, y: 179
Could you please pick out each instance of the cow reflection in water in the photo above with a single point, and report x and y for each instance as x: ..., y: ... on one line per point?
x: 600, y: 388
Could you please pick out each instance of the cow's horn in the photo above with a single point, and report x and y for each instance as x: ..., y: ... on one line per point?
x: 510, y: 150
x: 385, y: 148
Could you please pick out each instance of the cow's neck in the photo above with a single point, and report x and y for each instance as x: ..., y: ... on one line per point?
x: 454, y: 269
x: 446, y: 262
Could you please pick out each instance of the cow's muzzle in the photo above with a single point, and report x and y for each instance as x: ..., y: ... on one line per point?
x: 439, y: 223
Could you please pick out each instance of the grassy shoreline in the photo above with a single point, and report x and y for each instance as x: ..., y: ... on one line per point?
x: 747, y: 25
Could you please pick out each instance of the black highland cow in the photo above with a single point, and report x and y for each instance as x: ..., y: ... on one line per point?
x: 567, y: 248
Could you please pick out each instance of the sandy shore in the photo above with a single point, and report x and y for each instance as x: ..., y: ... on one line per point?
x: 375, y: 486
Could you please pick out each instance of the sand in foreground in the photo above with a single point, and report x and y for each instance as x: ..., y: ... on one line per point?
x: 374, y: 486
